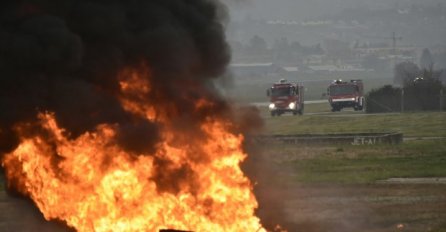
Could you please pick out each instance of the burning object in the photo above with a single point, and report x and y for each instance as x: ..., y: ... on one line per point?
x: 113, y: 123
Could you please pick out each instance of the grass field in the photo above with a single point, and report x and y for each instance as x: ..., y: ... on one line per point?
x: 363, y: 164
x: 318, y: 119
x: 339, y: 188
x: 330, y: 188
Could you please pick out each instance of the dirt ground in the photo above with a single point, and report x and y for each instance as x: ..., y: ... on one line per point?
x: 308, y: 208
x: 416, y: 204
x: 372, y: 207
x: 380, y: 207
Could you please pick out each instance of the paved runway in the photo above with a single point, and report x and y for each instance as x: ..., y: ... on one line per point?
x: 259, y: 104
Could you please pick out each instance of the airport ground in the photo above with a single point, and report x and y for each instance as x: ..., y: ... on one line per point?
x: 367, y: 188
x: 343, y: 187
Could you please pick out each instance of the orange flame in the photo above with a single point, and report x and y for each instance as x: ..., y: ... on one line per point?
x: 94, y: 185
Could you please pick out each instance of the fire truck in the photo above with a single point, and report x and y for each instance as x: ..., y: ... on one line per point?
x: 286, y: 97
x: 342, y: 94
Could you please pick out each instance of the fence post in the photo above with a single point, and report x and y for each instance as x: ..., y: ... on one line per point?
x: 402, y: 99
x: 441, y: 100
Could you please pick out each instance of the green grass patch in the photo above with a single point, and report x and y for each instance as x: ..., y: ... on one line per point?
x: 422, y: 124
x: 367, y: 164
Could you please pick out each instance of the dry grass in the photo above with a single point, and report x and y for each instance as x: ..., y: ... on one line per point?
x: 334, y: 188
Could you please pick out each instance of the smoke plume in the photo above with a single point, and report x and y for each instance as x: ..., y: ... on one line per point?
x: 76, y: 59
x: 66, y: 57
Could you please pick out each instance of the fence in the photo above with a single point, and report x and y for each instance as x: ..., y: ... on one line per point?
x: 389, y: 99
x: 329, y: 139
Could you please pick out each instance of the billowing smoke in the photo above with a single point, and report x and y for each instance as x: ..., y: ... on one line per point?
x: 65, y: 56
x: 68, y: 57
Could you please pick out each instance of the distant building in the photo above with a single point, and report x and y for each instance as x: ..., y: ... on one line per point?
x: 257, y: 71
x: 335, y: 68
x: 385, y: 51
x: 315, y: 59
x: 291, y: 69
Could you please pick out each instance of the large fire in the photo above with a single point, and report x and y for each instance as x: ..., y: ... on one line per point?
x: 191, y: 181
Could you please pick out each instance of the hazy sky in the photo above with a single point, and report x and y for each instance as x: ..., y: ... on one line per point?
x: 304, y: 9
x: 301, y: 10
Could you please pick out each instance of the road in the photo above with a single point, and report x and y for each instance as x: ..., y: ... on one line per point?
x: 260, y: 104
x: 348, y: 112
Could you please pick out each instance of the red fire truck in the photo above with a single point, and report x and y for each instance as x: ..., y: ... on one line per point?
x: 342, y: 94
x: 286, y: 97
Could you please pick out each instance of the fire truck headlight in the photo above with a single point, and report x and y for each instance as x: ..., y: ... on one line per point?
x: 292, y: 105
x: 272, y: 106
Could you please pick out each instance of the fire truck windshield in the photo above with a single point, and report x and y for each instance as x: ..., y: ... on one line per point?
x: 278, y: 92
x: 342, y: 89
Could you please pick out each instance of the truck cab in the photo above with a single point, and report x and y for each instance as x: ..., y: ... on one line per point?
x: 343, y: 94
x: 286, y: 97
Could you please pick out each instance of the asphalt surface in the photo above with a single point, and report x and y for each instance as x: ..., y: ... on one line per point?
x: 259, y: 104
x: 347, y: 112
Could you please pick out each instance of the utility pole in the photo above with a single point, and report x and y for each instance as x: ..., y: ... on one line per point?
x: 394, y: 43
x: 394, y: 38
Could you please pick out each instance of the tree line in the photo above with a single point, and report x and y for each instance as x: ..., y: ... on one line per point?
x: 417, y: 88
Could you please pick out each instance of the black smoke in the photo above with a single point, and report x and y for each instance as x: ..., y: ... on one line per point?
x: 64, y: 56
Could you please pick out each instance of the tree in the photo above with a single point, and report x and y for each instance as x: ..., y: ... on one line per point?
x: 257, y: 44
x: 281, y: 49
x: 431, y: 74
x: 384, y: 99
x: 281, y: 45
x: 296, y: 47
x: 374, y: 62
x: 337, y: 49
x: 423, y: 93
x: 440, y: 60
x: 405, y: 72
x: 426, y: 60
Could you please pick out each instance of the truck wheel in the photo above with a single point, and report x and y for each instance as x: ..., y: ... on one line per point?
x: 294, y: 112
x: 301, y: 111
x: 273, y: 113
